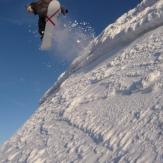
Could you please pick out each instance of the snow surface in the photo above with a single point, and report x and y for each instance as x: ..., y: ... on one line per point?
x: 108, y: 107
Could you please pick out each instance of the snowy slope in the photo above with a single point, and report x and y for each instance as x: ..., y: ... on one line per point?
x: 108, y: 107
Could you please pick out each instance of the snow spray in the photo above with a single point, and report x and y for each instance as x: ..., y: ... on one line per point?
x: 70, y: 38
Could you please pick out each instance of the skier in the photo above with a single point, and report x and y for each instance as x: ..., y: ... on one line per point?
x: 40, y: 8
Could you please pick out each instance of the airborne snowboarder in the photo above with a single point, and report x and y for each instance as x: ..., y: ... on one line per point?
x: 40, y: 8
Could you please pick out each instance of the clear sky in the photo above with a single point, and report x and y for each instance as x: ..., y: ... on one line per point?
x: 26, y: 72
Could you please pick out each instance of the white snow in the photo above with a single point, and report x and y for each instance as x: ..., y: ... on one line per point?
x: 108, y: 106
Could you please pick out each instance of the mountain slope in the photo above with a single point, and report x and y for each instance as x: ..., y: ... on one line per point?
x: 144, y: 18
x: 108, y: 107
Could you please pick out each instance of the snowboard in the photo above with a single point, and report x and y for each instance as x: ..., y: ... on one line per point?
x: 54, y: 9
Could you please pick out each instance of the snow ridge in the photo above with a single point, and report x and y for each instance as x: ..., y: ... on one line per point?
x: 103, y: 109
x: 145, y: 17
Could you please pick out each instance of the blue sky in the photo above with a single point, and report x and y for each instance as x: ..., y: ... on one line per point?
x: 25, y: 71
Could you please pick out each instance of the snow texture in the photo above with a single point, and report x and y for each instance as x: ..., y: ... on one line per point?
x: 108, y: 106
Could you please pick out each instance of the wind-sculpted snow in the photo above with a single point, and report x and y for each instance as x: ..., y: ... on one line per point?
x: 110, y: 110
x: 145, y: 17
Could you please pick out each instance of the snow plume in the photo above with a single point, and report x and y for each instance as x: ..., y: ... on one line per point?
x: 71, y: 38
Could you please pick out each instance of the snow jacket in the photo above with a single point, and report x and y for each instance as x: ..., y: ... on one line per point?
x: 40, y: 8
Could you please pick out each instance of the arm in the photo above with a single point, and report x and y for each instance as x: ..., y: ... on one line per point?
x: 38, y: 8
x: 31, y: 8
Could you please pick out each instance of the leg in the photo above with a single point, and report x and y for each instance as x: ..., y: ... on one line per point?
x: 41, y: 26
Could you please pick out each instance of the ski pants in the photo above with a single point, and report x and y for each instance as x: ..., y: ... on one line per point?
x: 41, y: 25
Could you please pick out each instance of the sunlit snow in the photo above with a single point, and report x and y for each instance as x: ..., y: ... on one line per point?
x: 108, y: 106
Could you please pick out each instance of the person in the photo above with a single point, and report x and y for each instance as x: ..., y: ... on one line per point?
x: 40, y: 8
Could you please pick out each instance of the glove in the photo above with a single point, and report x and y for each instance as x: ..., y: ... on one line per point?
x: 63, y: 10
